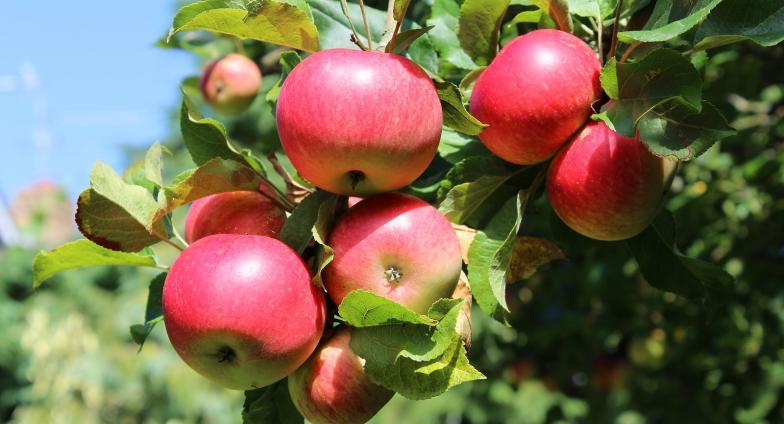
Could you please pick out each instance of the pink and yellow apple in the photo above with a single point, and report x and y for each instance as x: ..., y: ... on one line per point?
x: 535, y: 95
x: 606, y: 186
x: 396, y: 246
x: 241, y: 310
x: 359, y: 122
x: 230, y: 84
x: 235, y: 212
x: 332, y: 388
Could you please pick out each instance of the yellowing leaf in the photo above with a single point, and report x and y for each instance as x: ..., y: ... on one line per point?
x: 528, y: 254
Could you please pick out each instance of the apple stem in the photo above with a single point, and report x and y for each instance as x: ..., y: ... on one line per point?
x: 354, y: 34
x: 367, y: 26
x: 238, y: 45
x: 614, y: 39
x: 599, y: 34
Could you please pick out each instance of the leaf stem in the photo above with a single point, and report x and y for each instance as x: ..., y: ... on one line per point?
x: 628, y: 52
x: 178, y: 236
x: 614, y: 41
x: 170, y: 243
x: 367, y: 26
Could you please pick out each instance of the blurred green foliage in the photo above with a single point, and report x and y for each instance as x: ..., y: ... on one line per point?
x: 589, y: 341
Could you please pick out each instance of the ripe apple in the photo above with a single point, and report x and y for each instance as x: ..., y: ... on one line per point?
x: 241, y: 310
x: 607, y: 186
x: 332, y: 388
x: 359, y: 122
x: 396, y: 246
x: 535, y: 95
x: 236, y: 212
x: 230, y: 84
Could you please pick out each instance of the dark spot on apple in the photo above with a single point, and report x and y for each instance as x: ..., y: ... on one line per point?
x: 393, y: 274
x: 355, y: 177
x: 226, y: 354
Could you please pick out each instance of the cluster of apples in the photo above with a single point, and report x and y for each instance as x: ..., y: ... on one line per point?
x: 537, y: 97
x: 239, y: 305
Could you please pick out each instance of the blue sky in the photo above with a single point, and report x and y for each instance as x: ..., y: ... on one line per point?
x: 79, y: 80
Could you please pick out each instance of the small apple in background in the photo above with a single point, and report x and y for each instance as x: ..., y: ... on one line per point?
x: 332, y: 388
x: 359, y: 122
x: 606, y: 186
x: 535, y: 95
x: 396, y: 246
x: 236, y: 212
x: 241, y: 310
x: 230, y: 84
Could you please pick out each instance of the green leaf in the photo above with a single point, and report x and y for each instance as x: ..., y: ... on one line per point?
x: 136, y: 175
x: 680, y: 133
x: 471, y: 169
x: 736, y: 20
x: 288, y: 60
x: 597, y: 9
x: 327, y: 214
x: 557, y: 10
x: 364, y: 309
x: 665, y: 268
x: 444, y: 18
x: 271, y: 404
x: 214, y: 176
x: 118, y: 215
x: 80, y: 254
x: 489, y: 256
x: 267, y: 21
x: 637, y: 88
x: 334, y: 30
x: 464, y: 199
x: 478, y: 28
x: 455, y: 114
x: 297, y: 231
x: 418, y: 356
x: 455, y: 147
x: 205, y: 138
x: 669, y: 19
x: 404, y: 39
x: 153, y: 313
x: 153, y: 164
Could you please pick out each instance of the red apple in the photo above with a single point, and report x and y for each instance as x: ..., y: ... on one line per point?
x: 236, y: 212
x: 396, y: 246
x: 607, y: 186
x: 332, y: 388
x: 535, y: 95
x: 241, y: 310
x: 230, y: 84
x: 359, y: 122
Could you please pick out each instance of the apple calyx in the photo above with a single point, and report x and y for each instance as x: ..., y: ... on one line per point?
x: 393, y: 274
x: 226, y: 354
x: 355, y: 177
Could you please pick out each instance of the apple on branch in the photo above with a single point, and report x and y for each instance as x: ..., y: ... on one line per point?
x: 235, y: 212
x: 332, y: 388
x: 397, y: 246
x: 359, y: 122
x: 535, y: 95
x: 230, y: 84
x: 606, y: 186
x: 241, y: 309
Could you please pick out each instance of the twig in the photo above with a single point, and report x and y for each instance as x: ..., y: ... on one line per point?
x: 367, y: 26
x: 614, y: 41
